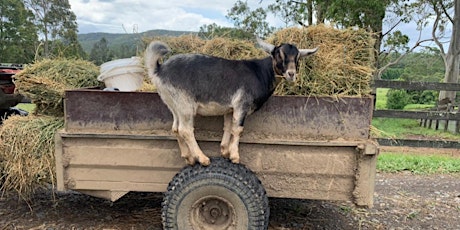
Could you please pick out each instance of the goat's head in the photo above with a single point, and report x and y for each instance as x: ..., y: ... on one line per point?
x: 285, y: 58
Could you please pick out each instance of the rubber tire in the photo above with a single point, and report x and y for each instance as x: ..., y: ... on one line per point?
x: 234, y: 183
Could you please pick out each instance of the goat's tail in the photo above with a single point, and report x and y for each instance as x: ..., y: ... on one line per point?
x: 155, y: 51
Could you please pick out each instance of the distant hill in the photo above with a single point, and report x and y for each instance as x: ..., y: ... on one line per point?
x: 123, y: 41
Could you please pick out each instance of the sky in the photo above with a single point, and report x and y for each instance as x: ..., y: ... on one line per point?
x: 126, y: 16
x: 131, y: 16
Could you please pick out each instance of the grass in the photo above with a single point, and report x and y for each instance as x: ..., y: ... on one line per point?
x: 418, y: 164
x: 404, y: 128
x: 393, y: 162
x: 381, y: 100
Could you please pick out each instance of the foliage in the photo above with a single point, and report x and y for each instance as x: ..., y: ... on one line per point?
x: 397, y: 98
x: 423, y: 97
x: 392, y: 74
x: 213, y: 30
x: 18, y: 34
x: 397, y: 41
x: 418, y: 164
x: 252, y: 21
x: 292, y: 12
x: 100, y: 52
x: 57, y: 25
x: 426, y: 66
x: 357, y: 13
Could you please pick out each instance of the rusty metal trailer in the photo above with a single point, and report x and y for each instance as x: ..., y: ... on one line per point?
x: 298, y: 147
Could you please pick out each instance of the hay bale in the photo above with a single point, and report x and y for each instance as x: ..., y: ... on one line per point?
x: 45, y: 81
x: 342, y: 66
x: 27, y: 153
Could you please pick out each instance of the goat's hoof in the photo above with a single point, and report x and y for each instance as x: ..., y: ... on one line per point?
x: 235, y: 160
x: 205, y: 161
x: 226, y: 154
x: 190, y: 161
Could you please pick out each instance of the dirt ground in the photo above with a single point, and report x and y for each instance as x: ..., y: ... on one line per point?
x: 402, y: 201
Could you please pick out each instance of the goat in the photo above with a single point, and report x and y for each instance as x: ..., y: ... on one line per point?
x: 191, y: 84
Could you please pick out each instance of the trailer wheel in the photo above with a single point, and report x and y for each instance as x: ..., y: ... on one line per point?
x: 222, y: 195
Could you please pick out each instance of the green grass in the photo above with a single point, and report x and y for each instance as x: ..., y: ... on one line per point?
x: 404, y: 128
x: 418, y: 164
x: 381, y: 102
x: 381, y: 99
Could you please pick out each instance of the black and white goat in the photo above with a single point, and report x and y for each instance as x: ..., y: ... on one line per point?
x: 191, y: 84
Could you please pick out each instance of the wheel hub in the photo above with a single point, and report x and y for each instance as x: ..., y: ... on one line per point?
x: 213, y: 212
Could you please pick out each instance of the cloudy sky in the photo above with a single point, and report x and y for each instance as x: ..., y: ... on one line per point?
x: 120, y: 16
x: 128, y: 16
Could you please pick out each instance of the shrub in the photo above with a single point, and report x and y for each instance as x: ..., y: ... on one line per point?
x: 397, y: 99
x: 423, y: 97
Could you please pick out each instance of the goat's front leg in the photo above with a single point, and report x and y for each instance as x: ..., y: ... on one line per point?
x: 224, y: 145
x: 184, y: 150
x: 237, y: 129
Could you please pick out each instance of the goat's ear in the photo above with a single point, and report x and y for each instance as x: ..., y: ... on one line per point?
x: 306, y: 52
x: 265, y: 46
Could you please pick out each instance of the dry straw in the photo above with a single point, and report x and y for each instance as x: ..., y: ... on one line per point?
x: 27, y: 153
x: 342, y: 66
x: 45, y: 81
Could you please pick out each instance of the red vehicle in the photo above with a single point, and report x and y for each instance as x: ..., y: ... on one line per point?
x: 8, y: 98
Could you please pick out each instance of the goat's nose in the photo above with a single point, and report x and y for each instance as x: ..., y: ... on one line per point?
x: 291, y: 74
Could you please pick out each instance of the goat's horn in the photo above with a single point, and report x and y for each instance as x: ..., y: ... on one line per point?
x: 265, y: 46
x: 306, y: 52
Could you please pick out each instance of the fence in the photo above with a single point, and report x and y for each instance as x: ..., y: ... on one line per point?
x: 426, y: 117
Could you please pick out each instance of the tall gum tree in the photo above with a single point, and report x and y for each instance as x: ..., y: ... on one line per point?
x: 18, y: 34
x: 57, y: 26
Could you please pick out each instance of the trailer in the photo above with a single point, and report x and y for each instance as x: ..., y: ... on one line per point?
x: 294, y: 147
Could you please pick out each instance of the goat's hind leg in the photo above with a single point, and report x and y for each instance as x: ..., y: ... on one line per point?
x: 186, y: 130
x: 184, y: 150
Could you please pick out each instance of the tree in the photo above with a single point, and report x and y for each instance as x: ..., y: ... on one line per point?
x: 251, y: 21
x: 452, y: 57
x: 214, y: 30
x: 57, y: 25
x: 100, y: 52
x: 18, y: 34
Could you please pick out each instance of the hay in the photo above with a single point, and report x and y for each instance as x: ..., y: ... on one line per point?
x: 27, y: 153
x: 342, y: 66
x: 44, y: 82
x: 218, y: 47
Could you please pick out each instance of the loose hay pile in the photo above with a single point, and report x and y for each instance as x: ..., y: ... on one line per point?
x: 219, y: 47
x: 342, y: 66
x: 27, y: 143
x: 44, y: 82
x: 27, y: 153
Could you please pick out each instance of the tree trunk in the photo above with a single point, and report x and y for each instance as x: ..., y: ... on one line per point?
x: 453, y: 55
